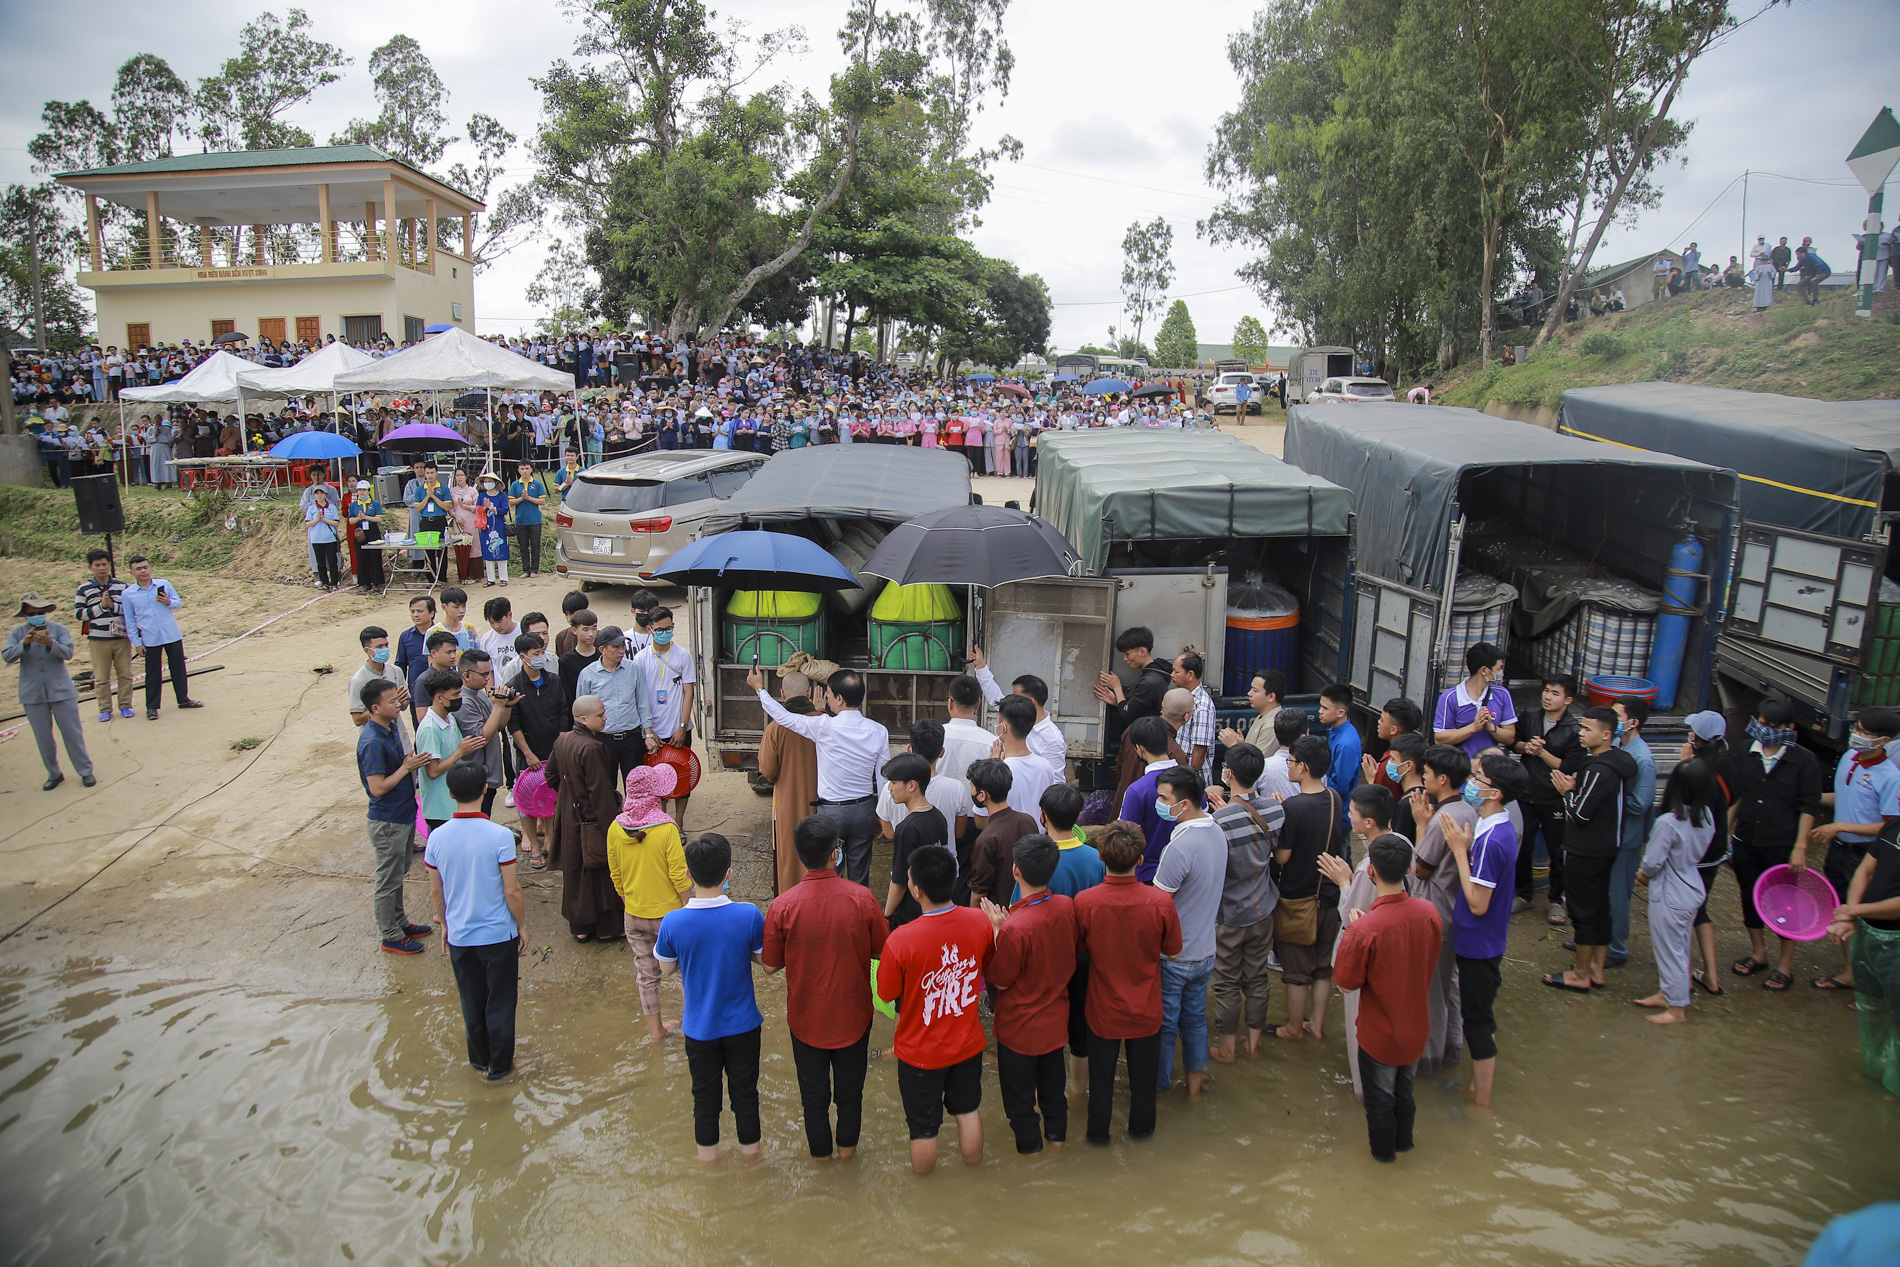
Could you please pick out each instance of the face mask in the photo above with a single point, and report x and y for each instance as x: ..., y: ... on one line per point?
x: 1166, y: 809
x: 662, y: 636
x: 1622, y: 728
x: 1863, y: 743
x: 381, y: 655
x: 546, y: 663
x: 37, y: 619
x: 1474, y: 795
x: 1392, y: 771
x: 1769, y: 737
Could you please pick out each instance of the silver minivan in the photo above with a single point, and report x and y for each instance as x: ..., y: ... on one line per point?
x: 622, y: 520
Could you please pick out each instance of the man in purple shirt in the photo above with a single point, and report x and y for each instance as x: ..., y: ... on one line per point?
x: 1149, y: 735
x: 1481, y: 911
x: 1477, y: 713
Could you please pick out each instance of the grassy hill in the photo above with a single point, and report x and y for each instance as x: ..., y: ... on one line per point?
x: 1714, y: 338
x: 252, y: 540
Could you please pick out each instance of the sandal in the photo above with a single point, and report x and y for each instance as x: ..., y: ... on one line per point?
x: 1700, y: 981
x: 1555, y: 980
x: 1777, y: 981
x: 583, y: 937
x: 538, y: 863
x: 1748, y: 967
x: 1830, y: 983
x: 1556, y: 917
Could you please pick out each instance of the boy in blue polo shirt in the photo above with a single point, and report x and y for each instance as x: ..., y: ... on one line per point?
x: 1866, y: 791
x: 712, y: 942
x: 478, y: 901
x: 389, y: 779
x: 526, y: 496
x: 1481, y: 909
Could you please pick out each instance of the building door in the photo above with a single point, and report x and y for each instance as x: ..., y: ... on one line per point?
x: 309, y: 330
x: 363, y: 329
x: 219, y: 327
x: 271, y: 328
x: 138, y: 334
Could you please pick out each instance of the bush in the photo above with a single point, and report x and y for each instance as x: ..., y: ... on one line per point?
x: 1602, y: 343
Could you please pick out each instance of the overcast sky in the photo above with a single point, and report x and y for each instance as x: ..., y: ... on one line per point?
x: 1115, y: 103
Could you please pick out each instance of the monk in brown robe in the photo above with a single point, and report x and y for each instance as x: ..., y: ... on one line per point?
x: 582, y: 775
x: 791, y: 763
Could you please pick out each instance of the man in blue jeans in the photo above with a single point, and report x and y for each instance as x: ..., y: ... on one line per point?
x: 1193, y: 870
x: 1639, y: 812
x: 478, y: 902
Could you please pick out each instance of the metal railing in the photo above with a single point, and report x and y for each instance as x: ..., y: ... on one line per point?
x: 277, y: 245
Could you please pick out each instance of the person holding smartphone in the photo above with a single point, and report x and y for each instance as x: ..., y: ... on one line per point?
x: 483, y: 713
x: 41, y: 647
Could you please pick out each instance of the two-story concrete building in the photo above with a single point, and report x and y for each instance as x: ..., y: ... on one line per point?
x: 295, y: 244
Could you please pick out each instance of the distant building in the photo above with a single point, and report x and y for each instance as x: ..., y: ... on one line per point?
x: 295, y: 244
x: 1277, y: 356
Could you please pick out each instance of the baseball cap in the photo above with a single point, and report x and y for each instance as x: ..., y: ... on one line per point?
x: 610, y: 636
x: 1708, y: 725
x: 362, y: 483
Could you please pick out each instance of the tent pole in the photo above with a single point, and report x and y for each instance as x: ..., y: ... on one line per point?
x: 489, y: 393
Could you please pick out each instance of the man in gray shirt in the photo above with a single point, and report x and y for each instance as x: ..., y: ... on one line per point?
x: 41, y: 647
x: 1193, y: 869
x: 484, y: 712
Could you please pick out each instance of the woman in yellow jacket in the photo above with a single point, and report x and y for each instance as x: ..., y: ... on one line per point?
x: 648, y: 865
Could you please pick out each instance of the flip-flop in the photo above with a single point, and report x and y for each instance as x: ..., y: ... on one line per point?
x: 1555, y: 980
x: 1696, y: 979
x: 539, y: 864
x: 1830, y: 983
x: 1748, y: 967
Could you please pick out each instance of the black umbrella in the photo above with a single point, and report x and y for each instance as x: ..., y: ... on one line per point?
x: 471, y: 400
x: 972, y: 545
x: 1152, y: 389
x: 232, y: 336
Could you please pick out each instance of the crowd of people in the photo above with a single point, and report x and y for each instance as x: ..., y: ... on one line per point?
x: 1090, y: 927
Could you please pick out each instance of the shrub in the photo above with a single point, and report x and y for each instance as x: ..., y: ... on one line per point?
x: 1602, y: 343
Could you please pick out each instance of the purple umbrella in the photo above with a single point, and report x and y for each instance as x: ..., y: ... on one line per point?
x: 421, y: 437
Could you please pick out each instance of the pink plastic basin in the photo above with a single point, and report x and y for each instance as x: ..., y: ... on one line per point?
x: 1798, y: 905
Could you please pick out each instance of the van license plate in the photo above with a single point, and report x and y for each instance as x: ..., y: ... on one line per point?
x: 603, y: 545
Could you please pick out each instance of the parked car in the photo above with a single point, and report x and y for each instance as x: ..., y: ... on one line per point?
x: 622, y: 520
x: 1350, y: 390
x: 1223, y: 396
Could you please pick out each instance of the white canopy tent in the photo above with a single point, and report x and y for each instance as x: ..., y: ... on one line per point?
x: 456, y: 360
x: 315, y: 374
x: 217, y: 380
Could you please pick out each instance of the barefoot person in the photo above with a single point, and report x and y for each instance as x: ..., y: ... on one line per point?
x: 1243, y: 931
x: 1306, y: 918
x: 581, y: 772
x: 1031, y: 970
x: 1486, y: 859
x: 712, y: 943
x: 648, y: 865
x: 483, y: 915
x: 1676, y: 845
x: 1869, y: 922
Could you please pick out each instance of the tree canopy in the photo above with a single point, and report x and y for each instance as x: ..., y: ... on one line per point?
x: 1175, y: 342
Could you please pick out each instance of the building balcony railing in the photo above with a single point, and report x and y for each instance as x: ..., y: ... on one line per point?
x: 275, y: 246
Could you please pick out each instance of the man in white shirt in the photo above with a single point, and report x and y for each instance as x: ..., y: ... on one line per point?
x: 963, y: 740
x: 948, y: 794
x: 1046, y: 740
x: 1032, y: 776
x: 670, y: 685
x: 852, y: 750
x: 1288, y: 724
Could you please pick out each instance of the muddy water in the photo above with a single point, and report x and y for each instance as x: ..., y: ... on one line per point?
x: 149, y: 1120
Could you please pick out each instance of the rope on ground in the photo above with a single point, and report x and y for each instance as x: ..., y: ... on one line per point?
x: 273, y: 620
x: 155, y: 827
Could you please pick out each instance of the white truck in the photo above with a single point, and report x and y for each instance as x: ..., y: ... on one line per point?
x: 1310, y: 367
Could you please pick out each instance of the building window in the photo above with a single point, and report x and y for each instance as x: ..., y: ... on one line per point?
x: 271, y: 328
x: 222, y: 327
x: 412, y: 328
x: 138, y: 334
x: 309, y: 330
x: 455, y: 312
x: 363, y: 329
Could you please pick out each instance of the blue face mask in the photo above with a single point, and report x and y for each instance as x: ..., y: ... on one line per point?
x: 1392, y: 771
x: 37, y: 619
x: 1166, y: 809
x: 1474, y: 795
x: 662, y: 636
x: 381, y: 655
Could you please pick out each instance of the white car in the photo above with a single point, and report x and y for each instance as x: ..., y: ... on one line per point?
x: 1222, y: 395
x: 1349, y: 390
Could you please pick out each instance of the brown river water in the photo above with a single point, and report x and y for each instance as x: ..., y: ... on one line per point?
x: 159, y: 1120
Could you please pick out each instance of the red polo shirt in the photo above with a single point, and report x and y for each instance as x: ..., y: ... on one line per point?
x: 1124, y: 927
x: 930, y: 969
x: 1388, y: 955
x: 1034, y: 959
x: 824, y: 932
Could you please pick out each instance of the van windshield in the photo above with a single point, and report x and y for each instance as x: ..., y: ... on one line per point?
x: 614, y: 497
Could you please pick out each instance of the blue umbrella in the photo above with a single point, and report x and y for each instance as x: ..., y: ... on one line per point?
x: 1103, y: 386
x: 1065, y: 378
x: 754, y: 560
x: 980, y: 378
x: 314, y: 445
x: 437, y: 328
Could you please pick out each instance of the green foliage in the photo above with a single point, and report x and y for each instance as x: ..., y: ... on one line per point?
x: 1176, y: 344
x: 1250, y: 341
x: 1601, y: 343
x: 1147, y: 269
x: 279, y: 65
x: 411, y: 122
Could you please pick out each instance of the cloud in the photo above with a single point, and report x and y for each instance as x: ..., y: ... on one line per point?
x: 1097, y: 141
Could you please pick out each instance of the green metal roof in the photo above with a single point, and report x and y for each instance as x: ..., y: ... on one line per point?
x: 237, y: 160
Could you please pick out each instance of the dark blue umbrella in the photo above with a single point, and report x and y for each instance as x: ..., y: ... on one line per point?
x: 1103, y: 386
x: 1065, y: 378
x: 437, y: 328
x: 755, y: 560
x: 980, y: 378
x: 314, y: 445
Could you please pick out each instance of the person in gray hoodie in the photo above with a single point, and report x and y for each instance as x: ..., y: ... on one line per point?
x: 1593, y: 814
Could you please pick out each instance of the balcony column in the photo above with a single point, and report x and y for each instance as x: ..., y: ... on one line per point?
x: 92, y: 232
x: 468, y: 236
x: 208, y: 260
x: 257, y: 243
x: 369, y: 231
x: 153, y: 248
x: 389, y: 217
x: 325, y: 225
x: 429, y: 233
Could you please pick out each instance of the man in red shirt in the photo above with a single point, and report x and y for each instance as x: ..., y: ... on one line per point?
x: 1034, y: 959
x: 825, y: 931
x: 1124, y: 927
x: 930, y: 969
x: 1389, y: 954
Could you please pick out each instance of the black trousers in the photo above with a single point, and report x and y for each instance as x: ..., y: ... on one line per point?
x: 529, y: 538
x: 1144, y: 1066
x: 625, y: 750
x: 1390, y: 1109
x: 1548, y: 819
x: 1478, y: 982
x: 1028, y: 1080
x: 1749, y: 862
x: 488, y: 978
x: 328, y: 572
x: 736, y: 1058
x: 827, y: 1075
x: 1588, y: 898
x: 166, y: 655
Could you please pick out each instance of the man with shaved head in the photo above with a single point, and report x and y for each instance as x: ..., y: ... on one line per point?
x: 581, y: 772
x: 790, y: 762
